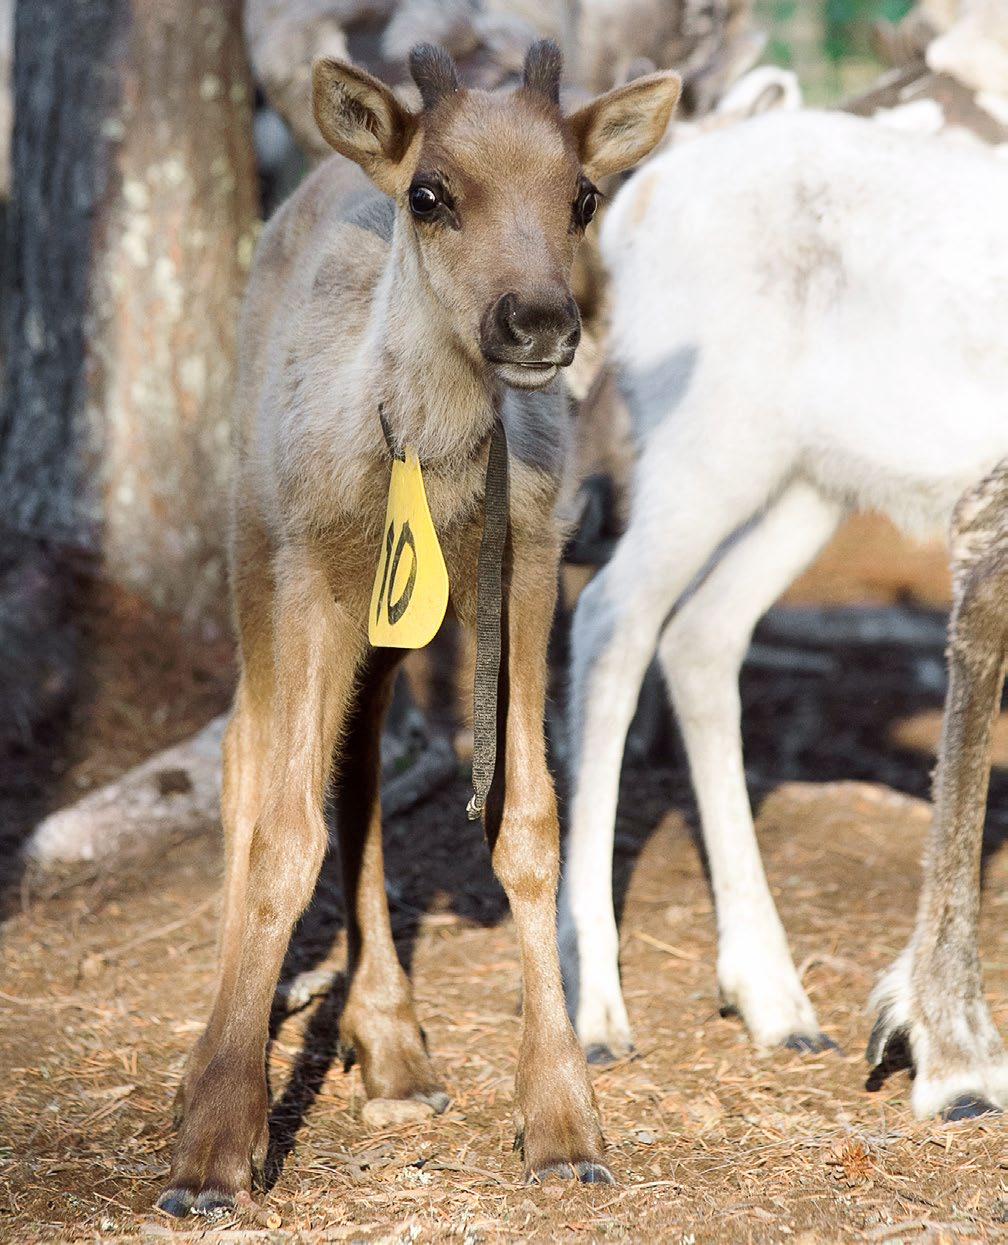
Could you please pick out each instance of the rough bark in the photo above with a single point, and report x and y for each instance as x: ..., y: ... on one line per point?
x: 6, y: 102
x: 63, y: 91
x: 131, y: 229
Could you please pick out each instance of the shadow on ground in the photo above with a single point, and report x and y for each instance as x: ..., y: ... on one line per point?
x: 822, y: 696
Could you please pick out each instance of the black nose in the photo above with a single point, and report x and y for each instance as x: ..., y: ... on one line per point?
x: 543, y: 329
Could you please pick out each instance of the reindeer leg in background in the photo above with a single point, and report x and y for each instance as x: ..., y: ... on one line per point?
x: 701, y: 652
x: 682, y: 516
x: 932, y: 998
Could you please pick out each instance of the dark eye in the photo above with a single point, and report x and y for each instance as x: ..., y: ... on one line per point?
x: 423, y: 202
x: 587, y: 206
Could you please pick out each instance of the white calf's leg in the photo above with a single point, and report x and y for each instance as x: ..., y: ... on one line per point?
x: 681, y: 515
x: 609, y: 653
x: 701, y: 651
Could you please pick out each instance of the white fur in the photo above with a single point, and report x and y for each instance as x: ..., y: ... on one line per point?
x: 820, y: 305
x: 931, y: 1095
x: 994, y: 105
x: 981, y: 1069
x: 921, y: 116
x: 974, y: 48
x: 760, y: 90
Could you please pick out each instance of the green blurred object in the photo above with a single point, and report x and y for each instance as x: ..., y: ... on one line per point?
x: 827, y: 42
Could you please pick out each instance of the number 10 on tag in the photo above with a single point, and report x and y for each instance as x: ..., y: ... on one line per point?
x: 410, y: 593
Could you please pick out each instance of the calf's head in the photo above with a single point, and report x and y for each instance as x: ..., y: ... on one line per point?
x: 493, y: 191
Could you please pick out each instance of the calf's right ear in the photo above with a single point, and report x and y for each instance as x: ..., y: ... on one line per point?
x: 360, y: 117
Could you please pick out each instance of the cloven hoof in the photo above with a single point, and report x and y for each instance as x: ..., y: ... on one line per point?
x: 183, y: 1202
x: 809, y: 1043
x: 586, y: 1171
x: 601, y: 1056
x: 968, y: 1107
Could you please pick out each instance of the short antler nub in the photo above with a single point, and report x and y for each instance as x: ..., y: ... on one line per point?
x: 434, y: 72
x: 543, y: 67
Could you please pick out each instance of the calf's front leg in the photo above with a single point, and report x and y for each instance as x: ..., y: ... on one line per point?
x: 556, y: 1116
x: 223, y: 1130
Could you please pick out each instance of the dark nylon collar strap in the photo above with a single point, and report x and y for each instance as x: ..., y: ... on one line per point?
x: 387, y: 433
x: 491, y: 656
x: 490, y: 651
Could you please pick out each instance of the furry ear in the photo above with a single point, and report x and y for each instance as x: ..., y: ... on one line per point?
x: 434, y: 72
x: 361, y: 118
x: 543, y: 67
x: 617, y: 130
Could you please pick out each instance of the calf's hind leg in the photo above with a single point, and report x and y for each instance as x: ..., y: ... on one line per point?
x: 701, y: 650
x: 378, y: 1021
x: 223, y: 1132
x: 701, y: 653
x: 932, y: 998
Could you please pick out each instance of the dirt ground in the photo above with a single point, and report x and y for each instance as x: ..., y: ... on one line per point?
x: 106, y: 980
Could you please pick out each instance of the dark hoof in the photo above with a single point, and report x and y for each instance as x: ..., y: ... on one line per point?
x: 600, y: 1056
x: 585, y: 1171
x: 177, y: 1202
x: 437, y: 1099
x: 562, y: 1171
x: 886, y: 1040
x: 594, y: 1173
x: 212, y: 1200
x: 888, y: 1052
x: 809, y: 1043
x: 968, y: 1107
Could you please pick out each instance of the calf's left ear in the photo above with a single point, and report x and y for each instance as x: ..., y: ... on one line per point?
x: 617, y: 130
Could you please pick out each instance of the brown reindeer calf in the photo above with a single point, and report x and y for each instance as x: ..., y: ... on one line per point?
x: 442, y: 300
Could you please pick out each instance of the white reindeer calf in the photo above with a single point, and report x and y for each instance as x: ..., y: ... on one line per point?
x: 809, y: 319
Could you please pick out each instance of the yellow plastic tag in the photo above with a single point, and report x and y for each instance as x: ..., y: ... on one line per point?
x: 410, y: 594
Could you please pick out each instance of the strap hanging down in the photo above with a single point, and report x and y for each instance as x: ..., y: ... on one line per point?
x: 490, y: 588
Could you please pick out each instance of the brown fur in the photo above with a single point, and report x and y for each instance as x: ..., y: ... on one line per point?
x: 933, y: 1000
x: 948, y: 951
x: 339, y: 321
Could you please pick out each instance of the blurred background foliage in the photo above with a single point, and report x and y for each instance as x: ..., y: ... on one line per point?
x: 827, y: 42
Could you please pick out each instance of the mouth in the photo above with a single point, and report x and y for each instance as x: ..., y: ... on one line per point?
x: 525, y: 375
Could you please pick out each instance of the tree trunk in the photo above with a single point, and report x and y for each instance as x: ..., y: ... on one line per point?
x: 131, y: 227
